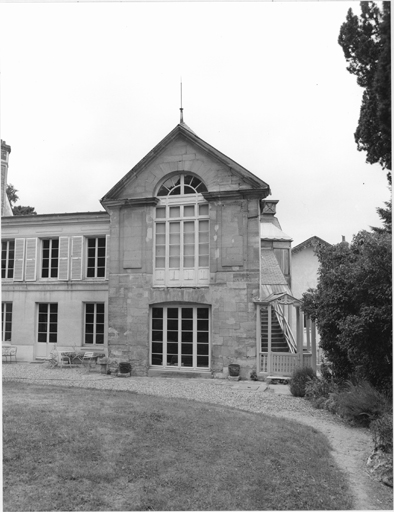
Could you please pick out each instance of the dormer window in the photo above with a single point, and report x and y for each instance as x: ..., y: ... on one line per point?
x: 182, y: 233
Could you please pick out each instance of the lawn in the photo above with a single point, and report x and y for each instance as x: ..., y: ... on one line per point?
x: 81, y: 449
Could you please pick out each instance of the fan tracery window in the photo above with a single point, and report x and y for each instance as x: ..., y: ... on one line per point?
x: 182, y: 233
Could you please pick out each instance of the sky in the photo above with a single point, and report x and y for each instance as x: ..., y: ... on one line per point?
x: 87, y: 89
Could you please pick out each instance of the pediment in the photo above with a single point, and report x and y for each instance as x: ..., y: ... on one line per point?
x: 183, y: 151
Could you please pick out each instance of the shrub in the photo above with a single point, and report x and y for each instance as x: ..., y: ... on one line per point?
x: 382, y: 432
x: 360, y: 403
x: 322, y: 393
x: 299, y: 378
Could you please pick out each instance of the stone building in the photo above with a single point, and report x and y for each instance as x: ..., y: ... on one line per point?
x: 193, y: 255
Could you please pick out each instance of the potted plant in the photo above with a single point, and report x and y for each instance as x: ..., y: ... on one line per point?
x: 233, y: 370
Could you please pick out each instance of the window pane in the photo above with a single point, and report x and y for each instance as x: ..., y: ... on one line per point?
x: 157, y: 324
x: 203, y: 209
x: 202, y: 350
x: 172, y: 312
x: 202, y: 337
x: 187, y: 361
x: 172, y: 335
x: 157, y: 335
x: 157, y: 348
x: 187, y: 336
x: 157, y: 312
x: 202, y: 361
x: 172, y: 348
x: 187, y: 312
x: 157, y: 359
x: 174, y: 262
x: 88, y: 339
x: 160, y: 213
x: 188, y: 211
x: 160, y: 262
x: 188, y: 262
x: 42, y: 337
x: 202, y: 325
x: 172, y: 325
x: 160, y: 240
x: 160, y: 228
x: 175, y: 211
x: 187, y: 325
x: 187, y: 348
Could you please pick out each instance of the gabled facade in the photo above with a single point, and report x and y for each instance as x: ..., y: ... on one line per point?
x: 185, y: 259
x: 194, y: 255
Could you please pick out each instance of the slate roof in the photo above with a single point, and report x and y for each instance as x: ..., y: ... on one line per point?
x: 270, y: 269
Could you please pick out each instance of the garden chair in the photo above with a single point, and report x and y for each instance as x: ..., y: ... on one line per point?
x: 9, y: 353
x: 88, y: 359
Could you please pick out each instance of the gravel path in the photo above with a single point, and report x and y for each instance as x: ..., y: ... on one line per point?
x: 351, y: 446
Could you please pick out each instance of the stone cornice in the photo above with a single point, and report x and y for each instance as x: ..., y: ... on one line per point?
x: 130, y: 203
x: 251, y: 193
x: 55, y: 218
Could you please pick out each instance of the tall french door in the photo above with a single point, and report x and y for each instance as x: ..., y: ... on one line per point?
x: 47, y: 329
x: 180, y: 337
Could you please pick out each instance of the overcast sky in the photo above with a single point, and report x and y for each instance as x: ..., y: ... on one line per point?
x: 87, y: 89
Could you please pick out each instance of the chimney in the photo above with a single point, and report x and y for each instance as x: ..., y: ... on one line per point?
x: 5, y: 156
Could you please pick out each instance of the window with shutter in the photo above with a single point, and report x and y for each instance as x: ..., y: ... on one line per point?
x: 64, y: 244
x: 31, y: 259
x: 19, y: 259
x: 76, y: 257
x: 7, y: 259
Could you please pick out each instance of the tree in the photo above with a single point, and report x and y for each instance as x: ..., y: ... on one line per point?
x: 366, y: 43
x: 23, y: 210
x: 12, y: 194
x: 13, y: 198
x: 353, y: 307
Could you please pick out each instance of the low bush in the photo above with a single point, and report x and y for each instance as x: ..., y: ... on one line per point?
x: 299, y: 379
x: 360, y: 403
x: 382, y: 432
x: 322, y: 393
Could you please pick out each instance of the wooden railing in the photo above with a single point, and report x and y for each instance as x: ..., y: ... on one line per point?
x: 288, y: 333
x: 283, y: 363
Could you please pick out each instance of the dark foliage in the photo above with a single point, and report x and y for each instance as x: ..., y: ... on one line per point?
x: 366, y: 43
x: 13, y: 198
x: 24, y: 210
x: 353, y: 308
x: 382, y: 431
x: 299, y: 378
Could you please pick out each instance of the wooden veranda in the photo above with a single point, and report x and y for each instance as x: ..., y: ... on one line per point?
x: 280, y: 317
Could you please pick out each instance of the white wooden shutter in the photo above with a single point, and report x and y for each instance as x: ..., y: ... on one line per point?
x: 106, y: 256
x: 64, y: 243
x: 31, y: 259
x: 19, y: 257
x: 76, y: 258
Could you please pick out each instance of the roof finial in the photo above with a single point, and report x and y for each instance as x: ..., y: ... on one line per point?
x: 181, y: 109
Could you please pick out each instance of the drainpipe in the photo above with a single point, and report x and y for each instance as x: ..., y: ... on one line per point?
x: 269, y: 338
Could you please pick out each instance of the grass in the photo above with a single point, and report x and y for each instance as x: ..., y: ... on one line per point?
x: 81, y: 449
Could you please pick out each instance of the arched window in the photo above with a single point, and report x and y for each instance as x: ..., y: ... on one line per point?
x: 182, y: 184
x: 182, y: 233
